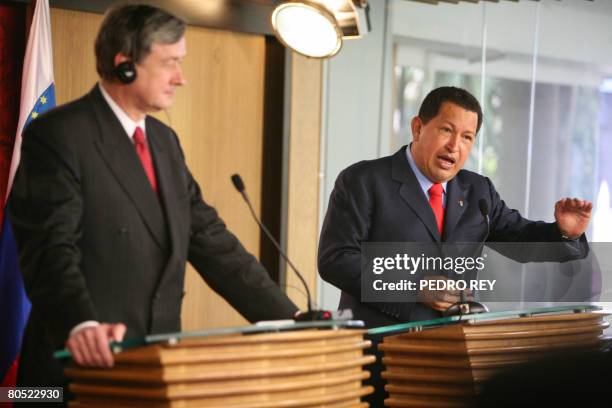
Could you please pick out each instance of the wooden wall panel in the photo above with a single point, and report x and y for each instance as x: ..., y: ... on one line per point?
x: 303, y: 176
x: 74, y: 65
x: 217, y: 115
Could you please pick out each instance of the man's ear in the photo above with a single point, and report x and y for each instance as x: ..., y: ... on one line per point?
x: 416, y: 124
x: 119, y: 58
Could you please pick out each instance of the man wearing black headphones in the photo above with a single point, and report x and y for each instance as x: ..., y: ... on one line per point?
x: 106, y: 213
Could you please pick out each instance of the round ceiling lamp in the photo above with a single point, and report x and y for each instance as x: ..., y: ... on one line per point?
x: 307, y: 28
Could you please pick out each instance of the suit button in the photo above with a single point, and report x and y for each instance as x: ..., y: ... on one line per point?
x: 122, y: 231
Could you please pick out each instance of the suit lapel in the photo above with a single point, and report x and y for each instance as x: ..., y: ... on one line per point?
x: 456, y: 204
x: 164, y: 173
x: 410, y: 191
x: 122, y: 161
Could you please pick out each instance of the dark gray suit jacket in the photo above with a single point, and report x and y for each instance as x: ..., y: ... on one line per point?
x: 382, y: 201
x: 96, y: 243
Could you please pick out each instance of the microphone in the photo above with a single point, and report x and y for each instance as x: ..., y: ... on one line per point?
x: 238, y: 183
x: 465, y: 306
x: 484, y: 210
x: 311, y: 314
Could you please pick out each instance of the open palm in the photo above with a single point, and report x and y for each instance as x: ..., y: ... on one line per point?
x: 573, y: 216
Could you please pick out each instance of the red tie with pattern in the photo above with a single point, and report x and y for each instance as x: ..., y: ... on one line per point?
x: 142, y: 150
x: 435, y: 200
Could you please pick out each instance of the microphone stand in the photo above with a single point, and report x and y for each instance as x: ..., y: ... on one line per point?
x: 465, y: 306
x: 301, y: 316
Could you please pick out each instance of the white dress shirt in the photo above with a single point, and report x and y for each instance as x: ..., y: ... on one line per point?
x: 424, y: 182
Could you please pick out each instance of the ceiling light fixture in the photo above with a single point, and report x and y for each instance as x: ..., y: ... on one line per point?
x: 316, y: 28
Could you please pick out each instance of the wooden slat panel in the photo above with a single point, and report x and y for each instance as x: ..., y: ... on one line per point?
x: 215, y: 389
x: 425, y: 402
x: 538, y: 323
x: 241, y: 354
x: 429, y: 389
x: 333, y: 397
x: 298, y: 377
x: 491, y: 347
x: 225, y: 371
x: 447, y: 366
x: 237, y: 346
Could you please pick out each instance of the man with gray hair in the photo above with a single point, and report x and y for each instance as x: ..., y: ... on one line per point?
x: 106, y: 213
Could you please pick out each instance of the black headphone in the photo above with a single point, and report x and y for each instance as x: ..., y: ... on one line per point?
x: 126, y: 70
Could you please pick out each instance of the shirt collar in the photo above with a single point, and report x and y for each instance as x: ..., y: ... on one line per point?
x: 424, y: 182
x: 127, y: 123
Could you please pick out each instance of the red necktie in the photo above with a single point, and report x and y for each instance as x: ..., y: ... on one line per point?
x: 142, y: 150
x: 435, y: 200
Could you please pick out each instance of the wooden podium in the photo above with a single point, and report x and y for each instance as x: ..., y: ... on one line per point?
x: 445, y: 366
x: 298, y: 368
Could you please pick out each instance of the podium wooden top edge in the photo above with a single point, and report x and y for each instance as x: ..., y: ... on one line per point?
x: 484, y: 318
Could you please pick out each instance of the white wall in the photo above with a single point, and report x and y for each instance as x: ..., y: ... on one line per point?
x: 357, y: 110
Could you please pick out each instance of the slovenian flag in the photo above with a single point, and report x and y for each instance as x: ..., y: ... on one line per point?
x: 37, y: 96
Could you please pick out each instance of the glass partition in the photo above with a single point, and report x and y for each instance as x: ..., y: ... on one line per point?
x: 546, y: 93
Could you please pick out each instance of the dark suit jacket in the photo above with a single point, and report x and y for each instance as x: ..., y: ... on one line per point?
x: 96, y: 243
x: 382, y: 201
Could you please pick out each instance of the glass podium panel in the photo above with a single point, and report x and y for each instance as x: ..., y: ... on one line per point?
x: 419, y: 325
x: 288, y: 325
x: 261, y: 327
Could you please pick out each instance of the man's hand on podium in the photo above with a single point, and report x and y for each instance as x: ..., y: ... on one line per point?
x: 572, y: 216
x: 441, y: 300
x: 90, y: 346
